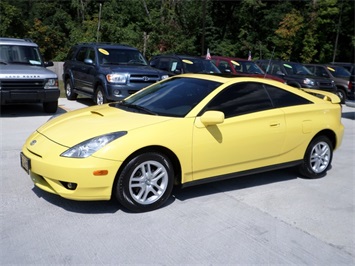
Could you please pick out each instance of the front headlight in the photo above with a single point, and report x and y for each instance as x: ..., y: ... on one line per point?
x: 120, y: 78
x: 51, y: 84
x: 164, y: 77
x: 308, y: 81
x: 88, y: 147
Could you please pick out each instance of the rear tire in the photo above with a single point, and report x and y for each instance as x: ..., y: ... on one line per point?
x: 145, y: 183
x: 341, y: 94
x: 318, y: 158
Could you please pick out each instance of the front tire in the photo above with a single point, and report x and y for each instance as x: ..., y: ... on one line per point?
x: 145, y: 183
x: 100, y: 97
x: 69, y: 91
x: 50, y: 107
x: 318, y: 158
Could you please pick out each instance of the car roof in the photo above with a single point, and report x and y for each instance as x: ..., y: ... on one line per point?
x: 107, y: 45
x: 16, y: 41
x: 180, y: 56
x: 229, y: 58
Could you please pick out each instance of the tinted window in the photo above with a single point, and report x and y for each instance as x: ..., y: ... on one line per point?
x: 241, y: 98
x: 174, y: 97
x: 81, y: 55
x: 281, y: 98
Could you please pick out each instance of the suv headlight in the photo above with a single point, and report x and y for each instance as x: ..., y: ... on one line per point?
x: 88, y: 147
x: 117, y: 78
x: 51, y: 84
x: 308, y: 81
x: 164, y: 77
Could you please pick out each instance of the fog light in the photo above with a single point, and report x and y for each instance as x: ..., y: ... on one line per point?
x: 72, y: 186
x: 69, y: 185
x: 116, y: 92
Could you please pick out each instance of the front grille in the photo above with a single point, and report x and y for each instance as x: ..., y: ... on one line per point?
x: 15, y: 84
x: 141, y: 78
x: 325, y: 84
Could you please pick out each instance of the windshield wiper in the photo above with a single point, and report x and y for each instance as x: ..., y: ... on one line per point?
x: 138, y: 107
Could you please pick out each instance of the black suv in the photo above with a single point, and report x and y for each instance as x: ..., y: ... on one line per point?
x: 106, y: 72
x: 296, y: 75
x: 179, y: 64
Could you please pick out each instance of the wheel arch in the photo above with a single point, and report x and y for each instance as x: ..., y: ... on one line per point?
x: 159, y: 149
x: 329, y: 134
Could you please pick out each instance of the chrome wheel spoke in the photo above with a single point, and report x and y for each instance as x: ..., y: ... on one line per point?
x: 320, y: 157
x: 148, y: 182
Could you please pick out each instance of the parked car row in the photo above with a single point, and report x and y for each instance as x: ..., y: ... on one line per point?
x: 109, y: 72
x: 332, y: 78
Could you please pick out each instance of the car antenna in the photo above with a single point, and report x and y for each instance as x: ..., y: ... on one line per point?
x: 268, y: 65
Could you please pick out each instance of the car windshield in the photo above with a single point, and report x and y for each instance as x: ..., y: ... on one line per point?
x: 249, y: 67
x: 18, y: 54
x: 339, y: 72
x: 192, y: 65
x: 297, y: 69
x: 114, y: 56
x: 173, y: 97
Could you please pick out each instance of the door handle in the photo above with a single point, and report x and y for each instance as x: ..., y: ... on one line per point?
x: 274, y: 124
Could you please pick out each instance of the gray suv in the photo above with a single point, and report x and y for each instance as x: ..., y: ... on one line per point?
x: 297, y: 75
x: 24, y: 77
x: 339, y: 74
x: 107, y: 72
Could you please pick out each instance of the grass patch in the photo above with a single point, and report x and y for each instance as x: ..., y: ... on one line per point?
x: 61, y: 88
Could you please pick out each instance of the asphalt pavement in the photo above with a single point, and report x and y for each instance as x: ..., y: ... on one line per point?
x: 274, y: 218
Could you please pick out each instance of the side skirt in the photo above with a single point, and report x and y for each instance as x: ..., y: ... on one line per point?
x: 242, y: 173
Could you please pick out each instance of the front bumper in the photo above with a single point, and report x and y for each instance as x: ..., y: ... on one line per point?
x: 52, y: 173
x: 29, y: 96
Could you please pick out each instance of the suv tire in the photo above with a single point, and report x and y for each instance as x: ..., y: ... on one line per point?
x: 50, y: 107
x: 69, y: 91
x: 100, y: 97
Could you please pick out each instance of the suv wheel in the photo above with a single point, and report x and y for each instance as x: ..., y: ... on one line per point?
x: 69, y: 92
x: 50, y: 107
x: 341, y: 94
x: 100, y: 97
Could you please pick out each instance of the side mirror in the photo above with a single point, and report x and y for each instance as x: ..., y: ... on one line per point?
x: 211, y: 118
x: 280, y: 73
x: 48, y: 64
x: 88, y: 61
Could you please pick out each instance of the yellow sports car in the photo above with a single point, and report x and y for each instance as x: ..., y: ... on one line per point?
x: 185, y: 130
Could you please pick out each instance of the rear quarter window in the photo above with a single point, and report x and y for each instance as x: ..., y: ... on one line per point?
x: 282, y: 98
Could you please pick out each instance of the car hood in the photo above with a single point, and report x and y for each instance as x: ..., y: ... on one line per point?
x: 315, y: 78
x: 76, y: 126
x: 134, y: 69
x: 17, y: 71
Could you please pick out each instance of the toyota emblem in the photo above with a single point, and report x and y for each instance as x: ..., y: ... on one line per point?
x: 145, y: 78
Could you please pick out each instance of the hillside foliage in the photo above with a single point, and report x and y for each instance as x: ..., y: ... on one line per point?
x: 306, y: 30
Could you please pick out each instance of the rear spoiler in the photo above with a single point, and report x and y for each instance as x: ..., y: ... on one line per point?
x: 325, y: 95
